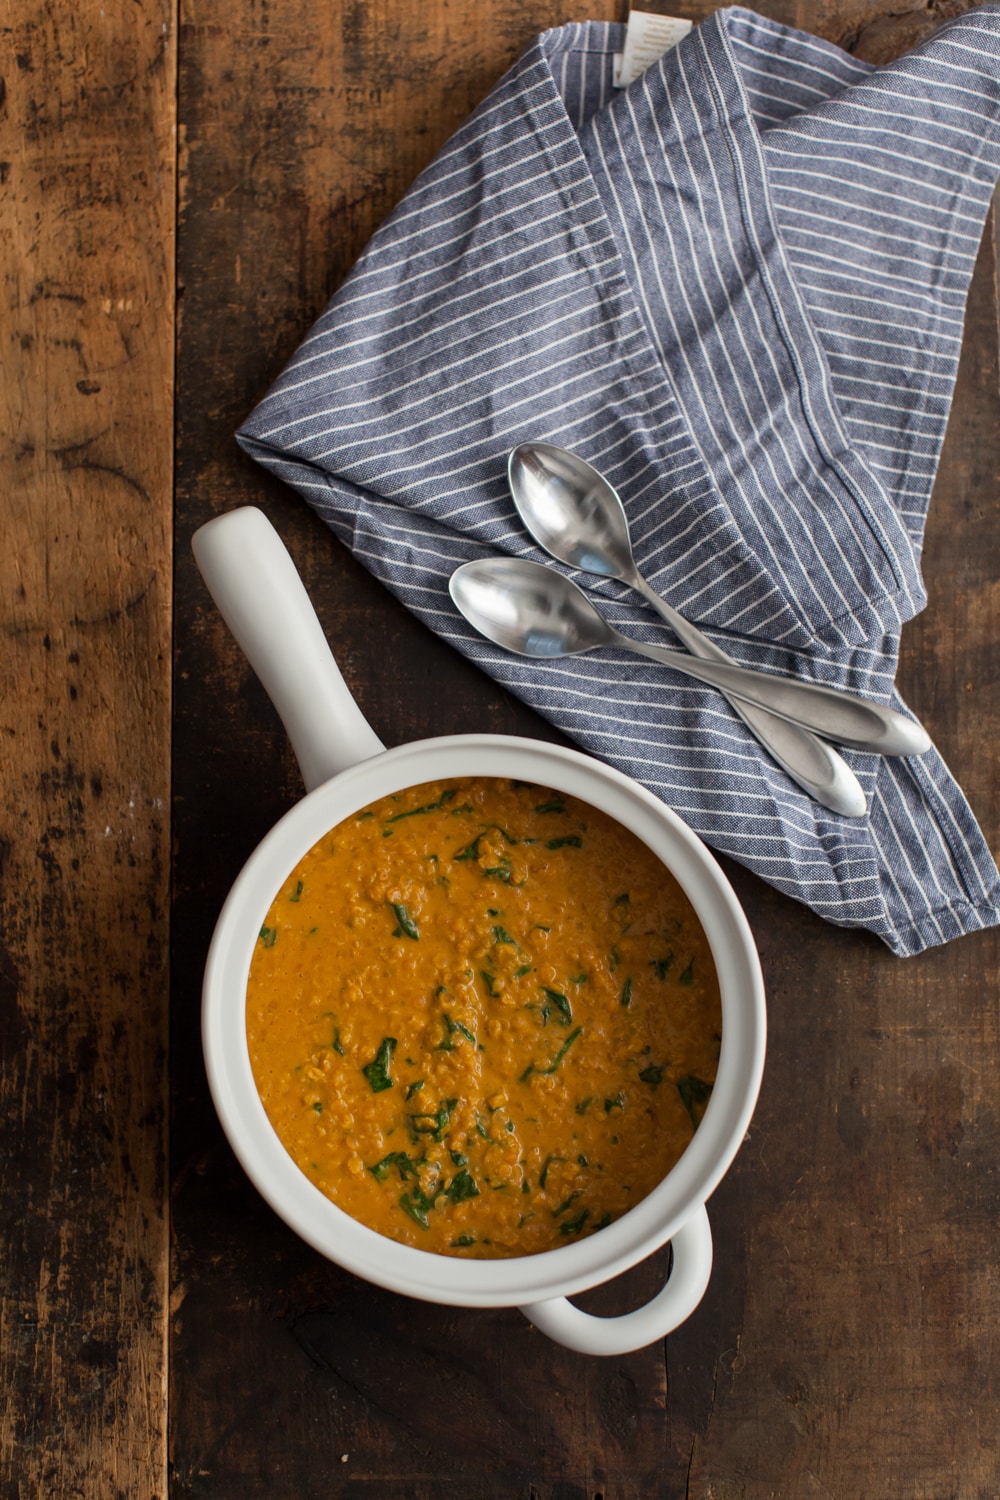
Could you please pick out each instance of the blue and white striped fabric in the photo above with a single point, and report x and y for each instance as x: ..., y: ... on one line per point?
x: 737, y: 288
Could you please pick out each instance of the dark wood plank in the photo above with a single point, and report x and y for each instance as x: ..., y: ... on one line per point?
x: 857, y: 1353
x: 85, y: 591
x: 845, y: 1346
x: 337, y: 1358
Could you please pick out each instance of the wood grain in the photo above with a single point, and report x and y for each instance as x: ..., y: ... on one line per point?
x: 847, y: 1345
x: 87, y: 260
x: 858, y: 1356
x: 842, y: 1333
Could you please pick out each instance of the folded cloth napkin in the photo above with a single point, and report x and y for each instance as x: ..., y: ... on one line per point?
x: 737, y: 288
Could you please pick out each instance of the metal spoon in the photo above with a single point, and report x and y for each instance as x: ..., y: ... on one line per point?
x: 575, y: 514
x: 535, y: 611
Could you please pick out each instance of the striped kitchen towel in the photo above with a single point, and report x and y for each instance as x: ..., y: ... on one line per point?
x: 737, y: 288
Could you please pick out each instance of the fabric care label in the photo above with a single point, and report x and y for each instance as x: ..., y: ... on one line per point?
x: 647, y: 38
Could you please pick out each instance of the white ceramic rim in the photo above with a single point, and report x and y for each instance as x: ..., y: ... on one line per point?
x: 451, y: 1279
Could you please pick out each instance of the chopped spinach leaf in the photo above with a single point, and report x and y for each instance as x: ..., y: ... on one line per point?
x: 471, y: 851
x: 269, y: 936
x: 406, y: 925
x: 451, y: 1029
x: 571, y: 841
x: 543, y: 1174
x: 653, y: 1074
x: 398, y: 1159
x: 296, y: 895
x: 695, y: 1094
x: 553, y: 1065
x: 556, y: 1001
x: 377, y: 1071
x: 416, y: 1205
x: 627, y: 993
x: 573, y: 1226
x: 445, y: 796
x: 688, y: 976
x: 461, y: 1187
x: 553, y: 805
x: 434, y: 1125
x: 662, y: 965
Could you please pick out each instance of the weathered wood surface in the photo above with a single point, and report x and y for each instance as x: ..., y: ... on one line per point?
x: 86, y: 230
x: 848, y: 1344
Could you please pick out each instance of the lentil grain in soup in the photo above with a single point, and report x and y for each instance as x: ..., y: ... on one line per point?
x: 483, y: 1018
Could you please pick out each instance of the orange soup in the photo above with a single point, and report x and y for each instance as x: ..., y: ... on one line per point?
x: 483, y: 1018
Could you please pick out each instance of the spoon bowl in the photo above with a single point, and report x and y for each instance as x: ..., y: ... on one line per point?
x: 535, y: 611
x: 528, y: 609
x: 577, y: 516
x: 571, y: 510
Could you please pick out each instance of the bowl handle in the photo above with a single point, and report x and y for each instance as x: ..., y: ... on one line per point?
x: 692, y: 1266
x: 262, y: 599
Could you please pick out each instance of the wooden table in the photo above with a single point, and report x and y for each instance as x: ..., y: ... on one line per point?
x: 182, y: 194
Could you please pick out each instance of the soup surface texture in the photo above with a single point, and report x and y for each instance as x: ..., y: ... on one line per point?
x: 483, y: 1018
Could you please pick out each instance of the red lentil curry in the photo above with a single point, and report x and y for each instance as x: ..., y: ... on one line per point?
x: 483, y: 1018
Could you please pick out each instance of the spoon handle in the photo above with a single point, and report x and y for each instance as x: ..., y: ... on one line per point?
x: 809, y: 761
x: 833, y: 714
